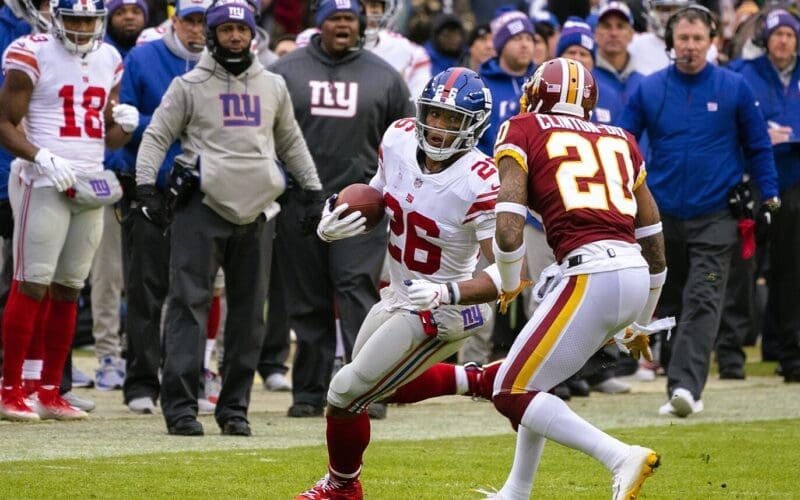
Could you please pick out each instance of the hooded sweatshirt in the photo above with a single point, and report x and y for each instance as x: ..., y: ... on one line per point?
x: 230, y: 128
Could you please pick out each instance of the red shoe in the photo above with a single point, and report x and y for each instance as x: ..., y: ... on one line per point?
x: 481, y: 378
x: 50, y: 404
x: 329, y: 488
x: 13, y: 405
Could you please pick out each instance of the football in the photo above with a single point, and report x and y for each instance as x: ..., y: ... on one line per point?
x: 364, y: 198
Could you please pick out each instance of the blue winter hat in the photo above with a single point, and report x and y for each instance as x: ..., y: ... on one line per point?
x: 113, y: 5
x: 327, y: 8
x: 778, y: 18
x: 508, y: 25
x: 233, y: 11
x: 576, y: 32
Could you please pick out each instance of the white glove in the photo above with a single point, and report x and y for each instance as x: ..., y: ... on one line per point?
x: 425, y: 295
x: 55, y: 168
x: 332, y: 228
x: 126, y: 116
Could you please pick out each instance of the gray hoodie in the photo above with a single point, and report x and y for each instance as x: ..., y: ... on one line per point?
x: 232, y: 128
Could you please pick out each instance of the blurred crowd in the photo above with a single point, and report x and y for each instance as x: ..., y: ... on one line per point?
x: 314, y: 296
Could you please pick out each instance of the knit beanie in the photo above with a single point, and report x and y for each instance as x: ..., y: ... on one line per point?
x: 576, y: 32
x: 113, y: 5
x: 327, y: 8
x: 508, y: 25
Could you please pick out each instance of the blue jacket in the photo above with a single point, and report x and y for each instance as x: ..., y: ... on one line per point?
x: 702, y: 128
x: 11, y: 28
x: 506, y: 91
x: 781, y: 105
x: 439, y: 61
x: 613, y: 95
x: 122, y: 50
x: 149, y: 69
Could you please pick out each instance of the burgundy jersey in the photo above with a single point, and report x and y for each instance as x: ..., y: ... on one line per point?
x: 581, y: 177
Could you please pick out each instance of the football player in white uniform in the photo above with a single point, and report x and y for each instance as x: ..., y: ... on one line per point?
x: 409, y: 59
x: 440, y: 195
x: 58, y: 87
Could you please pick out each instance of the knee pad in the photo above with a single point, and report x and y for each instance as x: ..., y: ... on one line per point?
x: 513, y: 406
x: 346, y: 386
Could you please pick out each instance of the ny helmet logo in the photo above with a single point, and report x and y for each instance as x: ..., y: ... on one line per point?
x: 241, y: 110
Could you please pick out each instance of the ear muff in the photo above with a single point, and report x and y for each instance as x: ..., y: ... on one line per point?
x: 706, y: 14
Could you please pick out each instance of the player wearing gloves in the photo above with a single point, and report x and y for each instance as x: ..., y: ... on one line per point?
x: 587, y: 182
x: 62, y: 89
x: 440, y: 196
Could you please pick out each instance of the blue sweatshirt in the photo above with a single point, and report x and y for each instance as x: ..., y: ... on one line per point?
x: 702, y: 128
x: 781, y: 105
x: 11, y: 28
x: 506, y: 91
x: 149, y: 69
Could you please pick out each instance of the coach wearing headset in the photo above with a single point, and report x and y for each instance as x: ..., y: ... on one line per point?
x: 232, y: 117
x: 704, y: 127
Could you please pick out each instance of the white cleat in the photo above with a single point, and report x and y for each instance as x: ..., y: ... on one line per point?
x: 142, y: 406
x: 681, y: 404
x: 50, y: 405
x: 628, y: 479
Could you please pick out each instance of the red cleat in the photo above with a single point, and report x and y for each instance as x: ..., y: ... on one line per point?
x: 13, y: 405
x: 50, y: 404
x: 329, y: 488
x: 481, y: 378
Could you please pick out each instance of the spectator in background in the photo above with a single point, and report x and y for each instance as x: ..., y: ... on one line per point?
x: 220, y: 221
x: 340, y: 93
x: 541, y: 51
x: 703, y: 123
x: 446, y: 43
x: 549, y: 28
x: 149, y: 70
x: 615, y: 69
x: 423, y: 17
x: 775, y: 80
x: 504, y: 74
x: 649, y: 50
x: 409, y: 59
x: 284, y: 44
x: 479, y: 48
x: 126, y: 20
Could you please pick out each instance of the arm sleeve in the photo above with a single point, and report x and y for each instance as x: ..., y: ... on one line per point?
x: 633, y: 116
x: 290, y: 145
x: 167, y: 124
x: 755, y: 142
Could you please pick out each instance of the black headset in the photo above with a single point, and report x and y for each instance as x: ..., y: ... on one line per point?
x: 708, y: 19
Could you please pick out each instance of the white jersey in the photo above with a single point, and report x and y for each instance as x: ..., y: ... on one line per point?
x: 409, y: 59
x: 70, y: 93
x: 649, y: 53
x: 154, y: 33
x: 437, y: 220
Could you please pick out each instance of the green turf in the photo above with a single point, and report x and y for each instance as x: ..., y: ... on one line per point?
x: 720, y: 460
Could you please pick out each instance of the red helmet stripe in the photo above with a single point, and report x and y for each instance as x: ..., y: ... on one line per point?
x: 450, y: 81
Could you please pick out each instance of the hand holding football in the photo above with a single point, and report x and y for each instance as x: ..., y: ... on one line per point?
x: 365, y: 199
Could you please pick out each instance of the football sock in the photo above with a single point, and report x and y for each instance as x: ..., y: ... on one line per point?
x: 59, y: 329
x: 438, y: 380
x: 347, y: 440
x: 19, y: 319
x: 526, y: 460
x: 32, y: 367
x: 549, y: 416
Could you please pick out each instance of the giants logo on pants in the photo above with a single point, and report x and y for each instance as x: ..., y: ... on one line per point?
x: 335, y: 99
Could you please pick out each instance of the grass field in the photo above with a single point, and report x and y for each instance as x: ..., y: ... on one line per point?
x: 744, y: 445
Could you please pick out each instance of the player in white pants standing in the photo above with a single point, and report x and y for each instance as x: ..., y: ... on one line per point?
x: 58, y: 87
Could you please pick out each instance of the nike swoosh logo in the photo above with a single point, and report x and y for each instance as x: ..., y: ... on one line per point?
x: 495, y: 186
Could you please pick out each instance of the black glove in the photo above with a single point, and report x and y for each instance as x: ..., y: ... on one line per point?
x: 764, y: 220
x: 151, y: 205
x: 128, y: 182
x: 312, y: 203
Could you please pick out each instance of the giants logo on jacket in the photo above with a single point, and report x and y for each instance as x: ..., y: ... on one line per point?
x: 335, y: 99
x: 240, y: 110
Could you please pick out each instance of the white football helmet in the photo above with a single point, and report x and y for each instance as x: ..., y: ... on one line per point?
x: 657, y: 12
x: 27, y: 10
x: 376, y: 22
x: 73, y: 40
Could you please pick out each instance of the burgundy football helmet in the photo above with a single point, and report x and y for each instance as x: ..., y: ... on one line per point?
x: 560, y: 86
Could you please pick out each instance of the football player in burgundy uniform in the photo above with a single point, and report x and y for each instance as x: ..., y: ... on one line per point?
x: 440, y: 195
x: 587, y: 183
x: 58, y: 87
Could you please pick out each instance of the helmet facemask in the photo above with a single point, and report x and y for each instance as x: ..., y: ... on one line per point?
x: 377, y: 22
x: 466, y: 133
x: 94, y: 10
